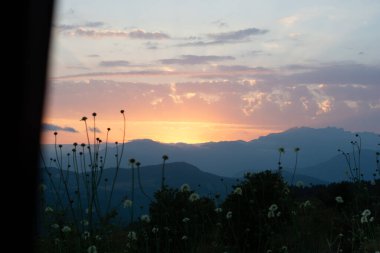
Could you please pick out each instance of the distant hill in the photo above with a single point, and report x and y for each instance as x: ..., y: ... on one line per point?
x: 203, y: 183
x: 229, y: 158
x: 336, y: 168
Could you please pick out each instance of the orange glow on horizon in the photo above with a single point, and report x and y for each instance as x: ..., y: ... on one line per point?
x: 161, y: 131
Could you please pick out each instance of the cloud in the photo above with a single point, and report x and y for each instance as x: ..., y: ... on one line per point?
x: 237, y: 35
x: 106, y: 75
x: 135, y: 34
x: 289, y: 21
x: 96, y: 130
x: 196, y: 59
x: 220, y: 23
x: 226, y: 37
x: 52, y: 127
x: 140, y: 34
x: 65, y: 27
x: 119, y: 63
x: 336, y: 73
x: 272, y: 102
x: 93, y: 55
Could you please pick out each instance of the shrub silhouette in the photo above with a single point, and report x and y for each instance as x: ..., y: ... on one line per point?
x: 258, y: 213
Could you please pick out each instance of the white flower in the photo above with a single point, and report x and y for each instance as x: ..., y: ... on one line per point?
x: 155, y: 230
x: 300, y: 184
x: 166, y: 228
x: 193, y: 197
x: 86, y: 235
x: 185, y: 220
x: 371, y: 219
x: 145, y: 218
x: 286, y: 190
x: 127, y: 203
x: 55, y: 226
x: 339, y: 199
x: 273, y: 207
x: 340, y: 235
x: 238, y: 191
x: 229, y: 215
x: 271, y: 214
x: 48, y: 209
x: 98, y: 238
x: 278, y: 214
x: 185, y: 188
x: 92, y: 249
x: 363, y: 219
x: 184, y: 238
x: 132, y: 235
x: 305, y: 204
x: 66, y: 229
x: 366, y: 212
x: 218, y: 210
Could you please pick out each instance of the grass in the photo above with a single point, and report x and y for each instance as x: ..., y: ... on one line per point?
x: 262, y: 213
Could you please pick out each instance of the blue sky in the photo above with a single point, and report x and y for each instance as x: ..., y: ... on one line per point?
x: 229, y: 69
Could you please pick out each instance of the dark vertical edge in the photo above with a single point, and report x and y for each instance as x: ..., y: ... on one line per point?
x: 36, y: 21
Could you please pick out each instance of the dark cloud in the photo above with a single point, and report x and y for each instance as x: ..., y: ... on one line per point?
x: 196, y: 59
x: 224, y: 68
x: 135, y: 34
x: 118, y: 73
x: 237, y: 35
x: 338, y: 73
x: 52, y: 127
x: 226, y: 37
x: 65, y: 27
x: 119, y: 63
x: 94, y: 24
x: 140, y: 34
x: 96, y: 130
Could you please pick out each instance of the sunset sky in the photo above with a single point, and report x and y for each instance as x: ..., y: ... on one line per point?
x: 212, y: 70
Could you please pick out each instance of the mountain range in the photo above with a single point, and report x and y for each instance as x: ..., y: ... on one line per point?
x: 318, y: 157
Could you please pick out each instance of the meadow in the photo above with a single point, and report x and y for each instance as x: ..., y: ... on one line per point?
x: 260, y: 213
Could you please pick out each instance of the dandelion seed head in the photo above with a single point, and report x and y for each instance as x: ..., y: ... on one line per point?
x: 273, y: 207
x: 92, y: 249
x: 193, y: 197
x: 127, y: 203
x: 55, y: 226
x: 339, y: 199
x: 238, y: 191
x: 66, y: 229
x: 300, y: 184
x: 185, y: 188
x: 145, y: 218
x: 132, y: 235
x: 86, y: 235
x: 366, y: 212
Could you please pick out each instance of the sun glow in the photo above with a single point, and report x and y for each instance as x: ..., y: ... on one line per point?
x: 161, y: 131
